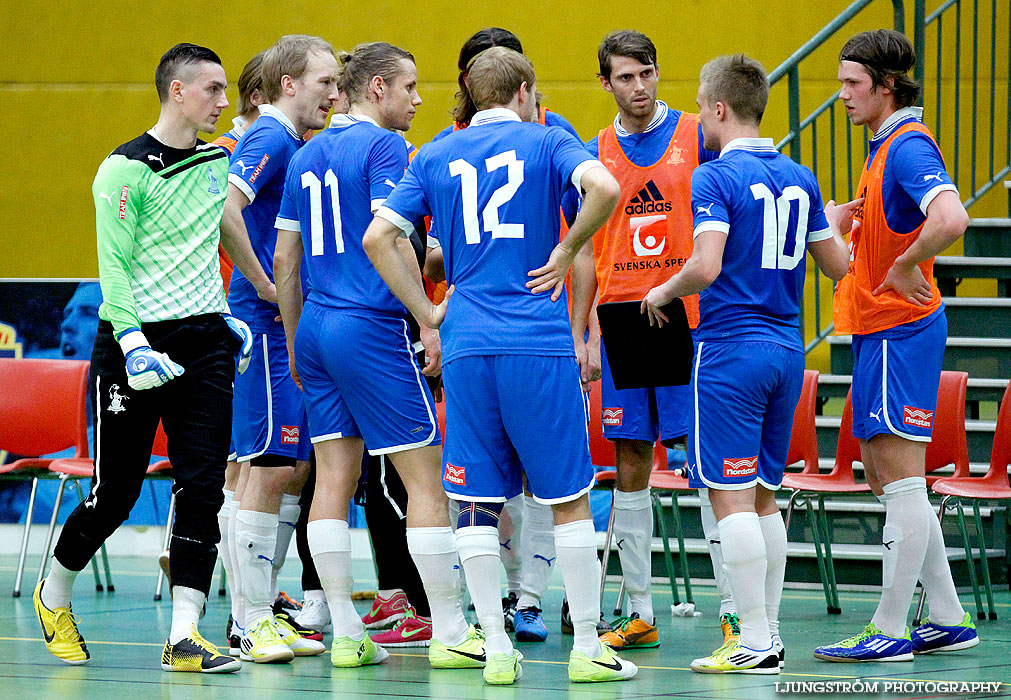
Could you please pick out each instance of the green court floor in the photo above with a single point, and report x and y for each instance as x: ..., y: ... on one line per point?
x: 125, y: 631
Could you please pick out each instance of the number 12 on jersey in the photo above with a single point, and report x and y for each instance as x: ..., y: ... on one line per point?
x: 776, y: 222
x: 468, y: 191
x: 311, y: 182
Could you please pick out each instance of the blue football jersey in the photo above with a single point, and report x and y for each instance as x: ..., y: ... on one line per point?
x: 914, y: 172
x: 493, y: 191
x: 258, y: 167
x: 770, y: 208
x: 332, y: 187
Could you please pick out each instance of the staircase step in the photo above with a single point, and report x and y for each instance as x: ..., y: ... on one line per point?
x: 980, y: 357
x: 988, y: 237
x: 988, y: 317
x: 948, y: 269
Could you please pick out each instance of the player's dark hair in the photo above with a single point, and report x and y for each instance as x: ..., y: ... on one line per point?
x: 481, y: 41
x: 887, y: 56
x: 175, y: 60
x: 250, y: 81
x: 289, y: 56
x: 366, y: 61
x: 738, y: 82
x: 497, y: 74
x: 625, y: 42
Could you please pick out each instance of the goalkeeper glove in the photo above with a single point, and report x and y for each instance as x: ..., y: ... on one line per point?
x: 241, y: 331
x: 146, y: 368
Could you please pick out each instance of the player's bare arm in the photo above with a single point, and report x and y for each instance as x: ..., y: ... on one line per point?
x: 584, y: 289
x: 235, y: 240
x: 287, y: 274
x: 702, y: 268
x: 945, y: 224
x: 380, y: 244
x: 832, y: 255
x: 601, y: 196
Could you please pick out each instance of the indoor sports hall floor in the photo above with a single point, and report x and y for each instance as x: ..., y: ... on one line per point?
x: 123, y: 631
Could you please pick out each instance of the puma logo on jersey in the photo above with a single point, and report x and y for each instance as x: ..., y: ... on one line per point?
x: 545, y: 559
x: 740, y: 467
x: 244, y: 167
x: 928, y: 178
x: 888, y: 544
x: 106, y: 197
x: 157, y: 158
x: 389, y: 182
x: 505, y: 545
x: 707, y: 210
x: 876, y: 415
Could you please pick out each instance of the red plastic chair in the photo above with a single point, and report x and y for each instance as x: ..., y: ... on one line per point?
x: 42, y: 410
x: 804, y: 437
x: 992, y: 486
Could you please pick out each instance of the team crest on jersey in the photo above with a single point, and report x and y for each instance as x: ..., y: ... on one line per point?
x: 747, y: 466
x: 612, y: 416
x: 116, y: 400
x: 676, y: 156
x: 455, y: 475
x: 918, y: 417
x: 213, y: 189
x: 289, y: 434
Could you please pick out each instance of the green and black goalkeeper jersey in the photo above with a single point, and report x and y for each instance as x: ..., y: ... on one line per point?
x: 158, y: 215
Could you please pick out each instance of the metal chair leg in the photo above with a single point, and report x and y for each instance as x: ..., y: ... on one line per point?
x: 165, y: 545
x: 918, y: 616
x: 834, y: 607
x: 94, y: 562
x: 682, y: 554
x: 52, y: 528
x: 607, y: 550
x: 812, y: 519
x: 969, y: 562
x: 983, y: 559
x: 620, y: 603
x: 24, y: 538
x: 789, y: 508
x: 667, y: 559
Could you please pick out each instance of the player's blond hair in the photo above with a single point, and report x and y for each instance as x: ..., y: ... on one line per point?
x: 366, y: 61
x: 494, y: 76
x: 289, y: 56
x: 738, y: 82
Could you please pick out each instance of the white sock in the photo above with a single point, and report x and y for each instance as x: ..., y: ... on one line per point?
x: 774, y: 534
x: 945, y: 608
x: 433, y: 550
x: 538, y: 551
x: 255, y: 539
x: 479, y: 553
x: 904, y: 537
x: 286, y: 520
x: 510, y: 535
x: 186, y: 606
x: 712, y: 535
x: 633, y: 533
x: 58, y: 586
x: 235, y: 576
x: 744, y: 557
x: 224, y: 548
x: 330, y: 545
x: 576, y: 545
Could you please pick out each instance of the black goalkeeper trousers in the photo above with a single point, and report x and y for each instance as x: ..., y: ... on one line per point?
x: 196, y: 411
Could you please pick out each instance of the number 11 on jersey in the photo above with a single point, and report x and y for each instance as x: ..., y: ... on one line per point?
x: 311, y: 182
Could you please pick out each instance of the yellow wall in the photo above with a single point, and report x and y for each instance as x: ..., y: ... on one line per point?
x: 76, y: 81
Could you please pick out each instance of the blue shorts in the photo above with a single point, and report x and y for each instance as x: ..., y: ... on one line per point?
x: 745, y: 395
x: 510, y: 414
x: 895, y: 378
x: 643, y: 414
x: 268, y: 414
x: 361, y: 379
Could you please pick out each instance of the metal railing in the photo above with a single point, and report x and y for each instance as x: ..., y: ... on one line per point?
x: 824, y: 140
